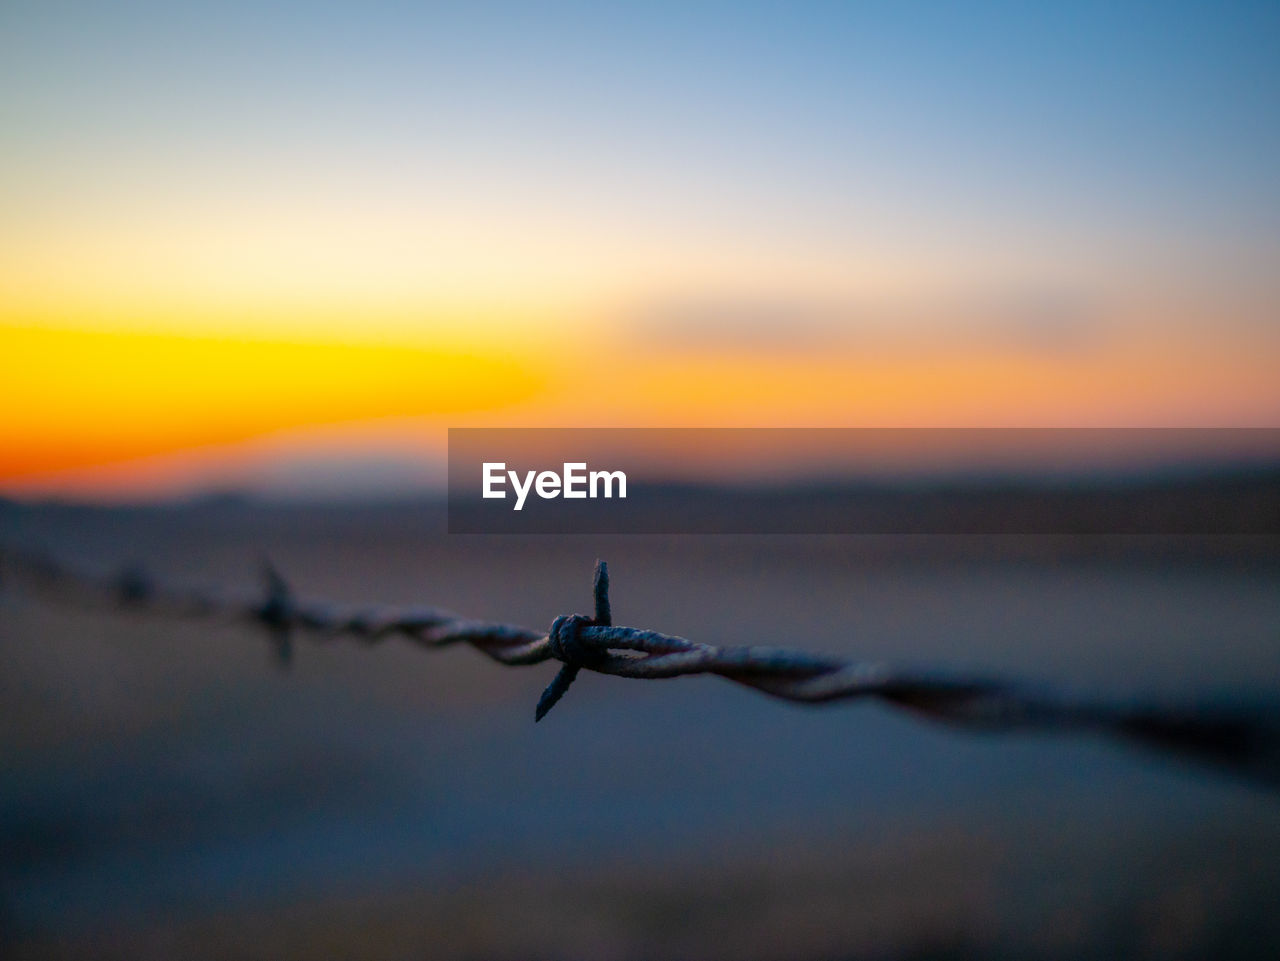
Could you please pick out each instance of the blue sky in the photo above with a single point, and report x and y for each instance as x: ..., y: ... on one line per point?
x: 513, y: 179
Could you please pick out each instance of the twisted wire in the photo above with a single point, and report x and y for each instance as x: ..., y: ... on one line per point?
x: 1244, y: 741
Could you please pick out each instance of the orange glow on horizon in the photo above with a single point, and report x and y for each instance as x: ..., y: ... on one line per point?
x: 81, y: 398
x: 78, y: 401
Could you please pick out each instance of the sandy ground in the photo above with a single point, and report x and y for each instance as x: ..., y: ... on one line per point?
x: 168, y: 793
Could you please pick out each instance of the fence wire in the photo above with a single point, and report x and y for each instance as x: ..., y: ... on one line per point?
x: 1243, y: 740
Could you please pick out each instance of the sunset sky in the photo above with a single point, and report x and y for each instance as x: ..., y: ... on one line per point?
x: 283, y: 246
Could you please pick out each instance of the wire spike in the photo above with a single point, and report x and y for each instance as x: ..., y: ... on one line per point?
x: 600, y: 588
x: 555, y: 690
x: 277, y: 586
x: 282, y: 647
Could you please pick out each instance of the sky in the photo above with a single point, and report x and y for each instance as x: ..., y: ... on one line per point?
x: 258, y: 245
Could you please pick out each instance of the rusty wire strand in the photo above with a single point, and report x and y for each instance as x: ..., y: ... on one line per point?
x: 1244, y: 741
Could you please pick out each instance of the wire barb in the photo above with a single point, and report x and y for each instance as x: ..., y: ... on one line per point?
x: 564, y: 641
x: 1242, y: 741
x: 276, y: 613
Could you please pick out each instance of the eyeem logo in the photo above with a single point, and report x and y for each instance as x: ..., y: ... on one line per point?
x: 574, y: 483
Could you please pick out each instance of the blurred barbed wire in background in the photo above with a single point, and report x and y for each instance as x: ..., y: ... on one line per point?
x: 1242, y: 740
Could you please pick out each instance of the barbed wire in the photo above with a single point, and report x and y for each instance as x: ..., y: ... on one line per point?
x: 1242, y: 740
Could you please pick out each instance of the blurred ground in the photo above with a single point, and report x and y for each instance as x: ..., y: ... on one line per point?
x: 167, y: 793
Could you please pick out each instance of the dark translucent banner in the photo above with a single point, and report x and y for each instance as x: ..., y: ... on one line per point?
x: 1203, y: 481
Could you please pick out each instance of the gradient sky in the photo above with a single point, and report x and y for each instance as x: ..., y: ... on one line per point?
x: 235, y: 237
